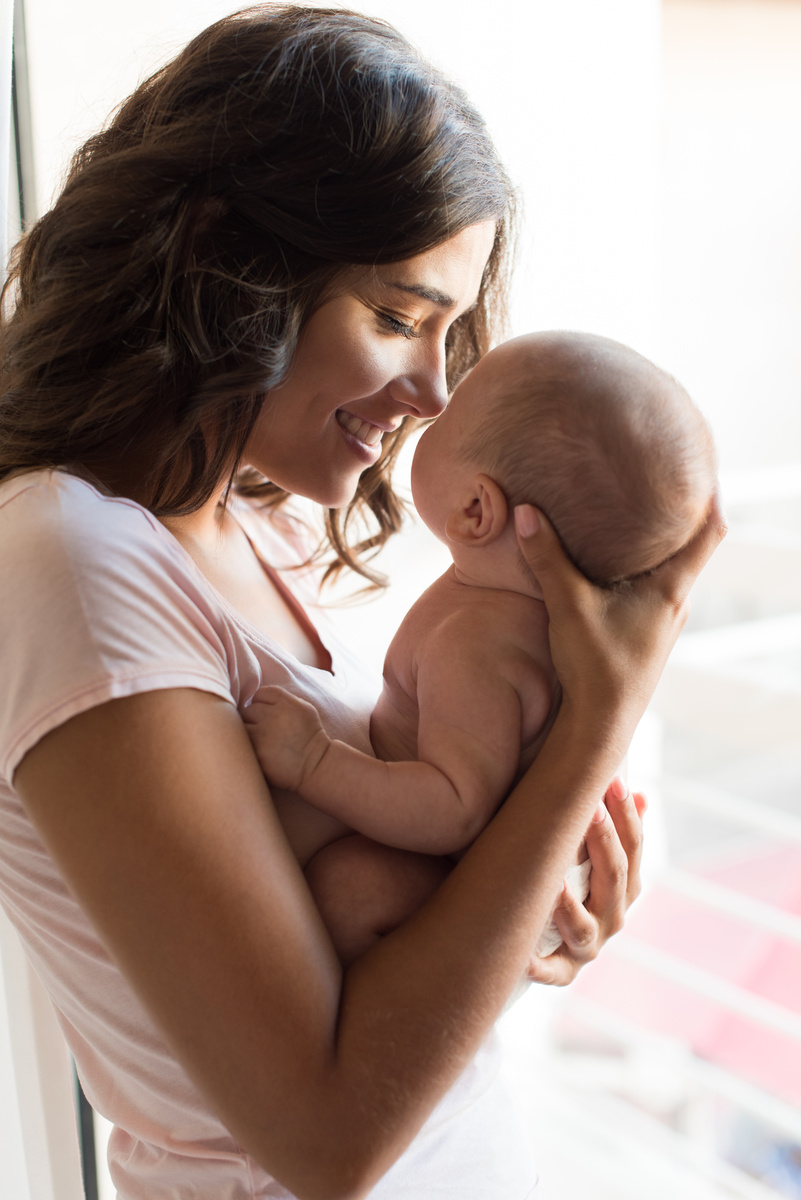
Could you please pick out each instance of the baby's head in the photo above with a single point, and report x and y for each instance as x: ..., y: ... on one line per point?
x: 610, y: 447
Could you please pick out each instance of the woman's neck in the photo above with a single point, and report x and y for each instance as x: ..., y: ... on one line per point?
x: 203, y: 530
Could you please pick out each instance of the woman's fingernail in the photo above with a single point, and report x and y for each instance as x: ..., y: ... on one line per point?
x: 617, y: 789
x: 527, y: 520
x: 599, y: 814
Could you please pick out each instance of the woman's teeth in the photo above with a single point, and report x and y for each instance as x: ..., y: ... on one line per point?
x: 362, y: 430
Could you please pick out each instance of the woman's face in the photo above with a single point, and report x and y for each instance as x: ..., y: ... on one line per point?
x: 368, y: 357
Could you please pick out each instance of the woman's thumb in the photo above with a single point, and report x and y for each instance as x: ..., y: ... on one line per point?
x: 543, y: 552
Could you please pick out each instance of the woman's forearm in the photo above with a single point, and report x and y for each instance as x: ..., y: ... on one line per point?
x: 157, y: 812
x: 451, y: 967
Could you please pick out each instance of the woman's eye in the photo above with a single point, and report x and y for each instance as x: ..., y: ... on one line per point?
x: 407, y: 331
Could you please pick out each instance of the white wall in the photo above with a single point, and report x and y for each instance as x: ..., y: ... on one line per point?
x: 570, y: 90
x: 636, y: 173
x: 732, y: 233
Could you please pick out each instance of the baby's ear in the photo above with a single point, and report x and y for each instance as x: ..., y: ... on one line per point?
x: 481, y: 515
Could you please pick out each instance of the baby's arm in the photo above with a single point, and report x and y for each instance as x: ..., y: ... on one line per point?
x: 468, y: 747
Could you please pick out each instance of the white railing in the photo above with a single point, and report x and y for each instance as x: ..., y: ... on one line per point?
x: 706, y: 1075
x: 729, y: 996
x: 734, y: 904
x: 760, y: 818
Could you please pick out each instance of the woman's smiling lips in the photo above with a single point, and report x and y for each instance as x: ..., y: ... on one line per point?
x: 362, y: 436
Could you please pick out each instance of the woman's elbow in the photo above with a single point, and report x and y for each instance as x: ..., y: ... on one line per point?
x: 351, y: 1175
x: 336, y: 1156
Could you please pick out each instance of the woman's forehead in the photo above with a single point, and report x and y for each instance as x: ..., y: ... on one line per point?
x: 449, y: 274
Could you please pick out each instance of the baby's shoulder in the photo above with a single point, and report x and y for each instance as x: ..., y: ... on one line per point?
x: 484, y: 625
x: 501, y: 618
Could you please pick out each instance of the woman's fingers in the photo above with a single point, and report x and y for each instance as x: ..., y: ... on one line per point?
x: 557, y: 970
x: 675, y: 577
x: 625, y: 811
x: 607, y: 900
x: 545, y: 555
x: 580, y: 943
x: 578, y: 927
x: 614, y: 844
x: 609, y: 645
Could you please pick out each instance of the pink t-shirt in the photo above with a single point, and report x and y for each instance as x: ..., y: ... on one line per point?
x: 98, y: 600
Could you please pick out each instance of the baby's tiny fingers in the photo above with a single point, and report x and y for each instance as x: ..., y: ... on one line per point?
x: 271, y: 693
x: 262, y: 704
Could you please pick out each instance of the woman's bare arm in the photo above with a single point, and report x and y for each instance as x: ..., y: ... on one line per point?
x: 156, y: 810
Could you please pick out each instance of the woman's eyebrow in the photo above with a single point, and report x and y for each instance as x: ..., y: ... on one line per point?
x: 434, y: 295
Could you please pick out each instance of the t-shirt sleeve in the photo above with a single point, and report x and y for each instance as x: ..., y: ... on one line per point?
x: 96, y: 602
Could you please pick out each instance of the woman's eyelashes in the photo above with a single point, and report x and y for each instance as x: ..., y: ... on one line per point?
x: 397, y: 326
x: 406, y: 330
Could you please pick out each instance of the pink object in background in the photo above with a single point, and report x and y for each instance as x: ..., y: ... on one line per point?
x: 730, y: 949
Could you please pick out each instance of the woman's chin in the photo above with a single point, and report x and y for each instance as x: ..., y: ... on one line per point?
x: 328, y: 493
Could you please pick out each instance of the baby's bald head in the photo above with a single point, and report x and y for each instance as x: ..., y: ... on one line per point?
x: 609, y: 446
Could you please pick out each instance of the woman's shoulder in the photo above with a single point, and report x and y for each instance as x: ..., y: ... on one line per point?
x: 56, y: 504
x: 54, y: 523
x: 95, y: 603
x: 95, y: 564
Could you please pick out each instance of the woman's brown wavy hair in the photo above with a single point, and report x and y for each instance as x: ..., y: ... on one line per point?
x: 163, y: 295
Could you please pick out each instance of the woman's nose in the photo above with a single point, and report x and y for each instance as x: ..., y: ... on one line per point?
x: 423, y: 388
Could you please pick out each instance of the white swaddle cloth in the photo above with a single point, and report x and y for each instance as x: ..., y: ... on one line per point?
x: 577, y: 879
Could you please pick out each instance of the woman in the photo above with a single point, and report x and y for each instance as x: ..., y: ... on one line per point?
x: 278, y: 256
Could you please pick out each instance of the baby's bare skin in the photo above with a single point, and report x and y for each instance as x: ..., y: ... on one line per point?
x: 469, y: 694
x: 458, y: 630
x: 469, y: 687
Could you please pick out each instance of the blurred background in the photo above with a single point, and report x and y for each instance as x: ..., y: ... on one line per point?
x: 657, y: 150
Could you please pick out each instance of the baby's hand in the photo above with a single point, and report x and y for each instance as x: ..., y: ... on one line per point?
x: 287, y: 735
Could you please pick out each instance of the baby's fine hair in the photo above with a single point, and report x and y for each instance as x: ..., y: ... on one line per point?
x: 609, y: 446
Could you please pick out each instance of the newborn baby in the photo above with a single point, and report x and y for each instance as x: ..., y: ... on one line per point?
x: 614, y: 452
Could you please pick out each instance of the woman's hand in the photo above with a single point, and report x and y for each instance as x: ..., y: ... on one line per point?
x: 609, y: 645
x: 614, y: 843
